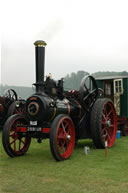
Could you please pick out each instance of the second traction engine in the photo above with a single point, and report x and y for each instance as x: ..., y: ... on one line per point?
x: 62, y: 116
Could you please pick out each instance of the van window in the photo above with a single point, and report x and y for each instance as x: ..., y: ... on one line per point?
x: 118, y: 86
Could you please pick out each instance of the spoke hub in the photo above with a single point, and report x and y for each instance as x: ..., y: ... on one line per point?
x: 14, y: 136
x: 108, y: 123
x: 68, y: 137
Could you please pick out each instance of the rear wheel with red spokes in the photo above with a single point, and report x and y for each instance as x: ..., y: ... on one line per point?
x: 15, y: 143
x: 62, y: 137
x: 103, y: 122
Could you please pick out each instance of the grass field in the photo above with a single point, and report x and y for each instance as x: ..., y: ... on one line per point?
x: 38, y: 172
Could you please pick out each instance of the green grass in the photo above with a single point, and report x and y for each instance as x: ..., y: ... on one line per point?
x: 38, y: 172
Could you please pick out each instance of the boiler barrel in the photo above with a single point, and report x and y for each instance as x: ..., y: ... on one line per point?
x: 42, y: 108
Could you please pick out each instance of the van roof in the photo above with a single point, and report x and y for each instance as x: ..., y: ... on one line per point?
x: 111, y: 77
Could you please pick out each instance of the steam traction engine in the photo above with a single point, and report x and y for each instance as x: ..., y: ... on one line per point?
x: 10, y: 104
x: 62, y: 116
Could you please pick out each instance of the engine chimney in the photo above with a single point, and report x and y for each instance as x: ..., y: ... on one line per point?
x: 40, y: 58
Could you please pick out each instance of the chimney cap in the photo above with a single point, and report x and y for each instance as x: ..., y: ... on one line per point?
x: 40, y: 43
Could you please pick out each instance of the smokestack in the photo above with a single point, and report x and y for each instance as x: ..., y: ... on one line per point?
x: 40, y: 58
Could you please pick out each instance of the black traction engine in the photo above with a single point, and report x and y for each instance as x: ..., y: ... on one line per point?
x: 62, y: 116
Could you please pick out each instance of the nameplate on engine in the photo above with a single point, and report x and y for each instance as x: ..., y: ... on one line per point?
x: 34, y: 129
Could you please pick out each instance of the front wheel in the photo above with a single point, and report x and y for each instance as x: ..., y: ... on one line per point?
x: 103, y: 123
x: 15, y: 143
x: 62, y: 137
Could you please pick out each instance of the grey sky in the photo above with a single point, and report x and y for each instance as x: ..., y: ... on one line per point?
x: 89, y: 35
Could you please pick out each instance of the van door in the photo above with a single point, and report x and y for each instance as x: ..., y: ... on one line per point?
x: 108, y: 89
x: 118, y: 90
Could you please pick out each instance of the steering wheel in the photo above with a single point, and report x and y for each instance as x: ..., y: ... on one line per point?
x: 88, y: 92
x: 10, y: 95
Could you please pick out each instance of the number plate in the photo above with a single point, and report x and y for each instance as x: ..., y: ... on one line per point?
x: 34, y: 129
x: 33, y: 122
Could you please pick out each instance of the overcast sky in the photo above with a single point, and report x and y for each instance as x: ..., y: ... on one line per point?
x: 89, y: 35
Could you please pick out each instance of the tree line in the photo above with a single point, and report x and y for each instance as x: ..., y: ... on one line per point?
x: 71, y: 81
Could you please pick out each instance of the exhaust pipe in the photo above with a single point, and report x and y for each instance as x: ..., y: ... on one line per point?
x: 39, y: 59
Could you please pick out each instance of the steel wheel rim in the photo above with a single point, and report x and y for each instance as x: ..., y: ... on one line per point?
x: 65, y: 138
x: 16, y: 141
x: 109, y: 124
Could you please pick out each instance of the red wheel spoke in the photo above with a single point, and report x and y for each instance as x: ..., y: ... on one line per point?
x: 15, y: 145
x: 11, y: 135
x: 68, y: 132
x: 111, y: 127
x: 109, y: 138
x: 19, y: 144
x: 109, y: 113
x: 22, y: 141
x: 103, y: 130
x: 103, y: 123
x: 105, y: 110
x: 13, y: 129
x: 60, y: 131
x: 12, y: 142
x: 64, y: 126
x: 67, y: 143
x: 18, y: 111
x: 62, y: 147
x: 103, y: 137
x: 104, y: 117
x: 60, y: 137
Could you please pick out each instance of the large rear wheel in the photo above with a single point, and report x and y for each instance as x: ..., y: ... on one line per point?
x: 15, y: 143
x: 62, y: 137
x: 103, y: 123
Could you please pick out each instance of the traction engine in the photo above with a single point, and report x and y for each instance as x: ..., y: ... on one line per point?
x: 10, y: 104
x: 62, y: 116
